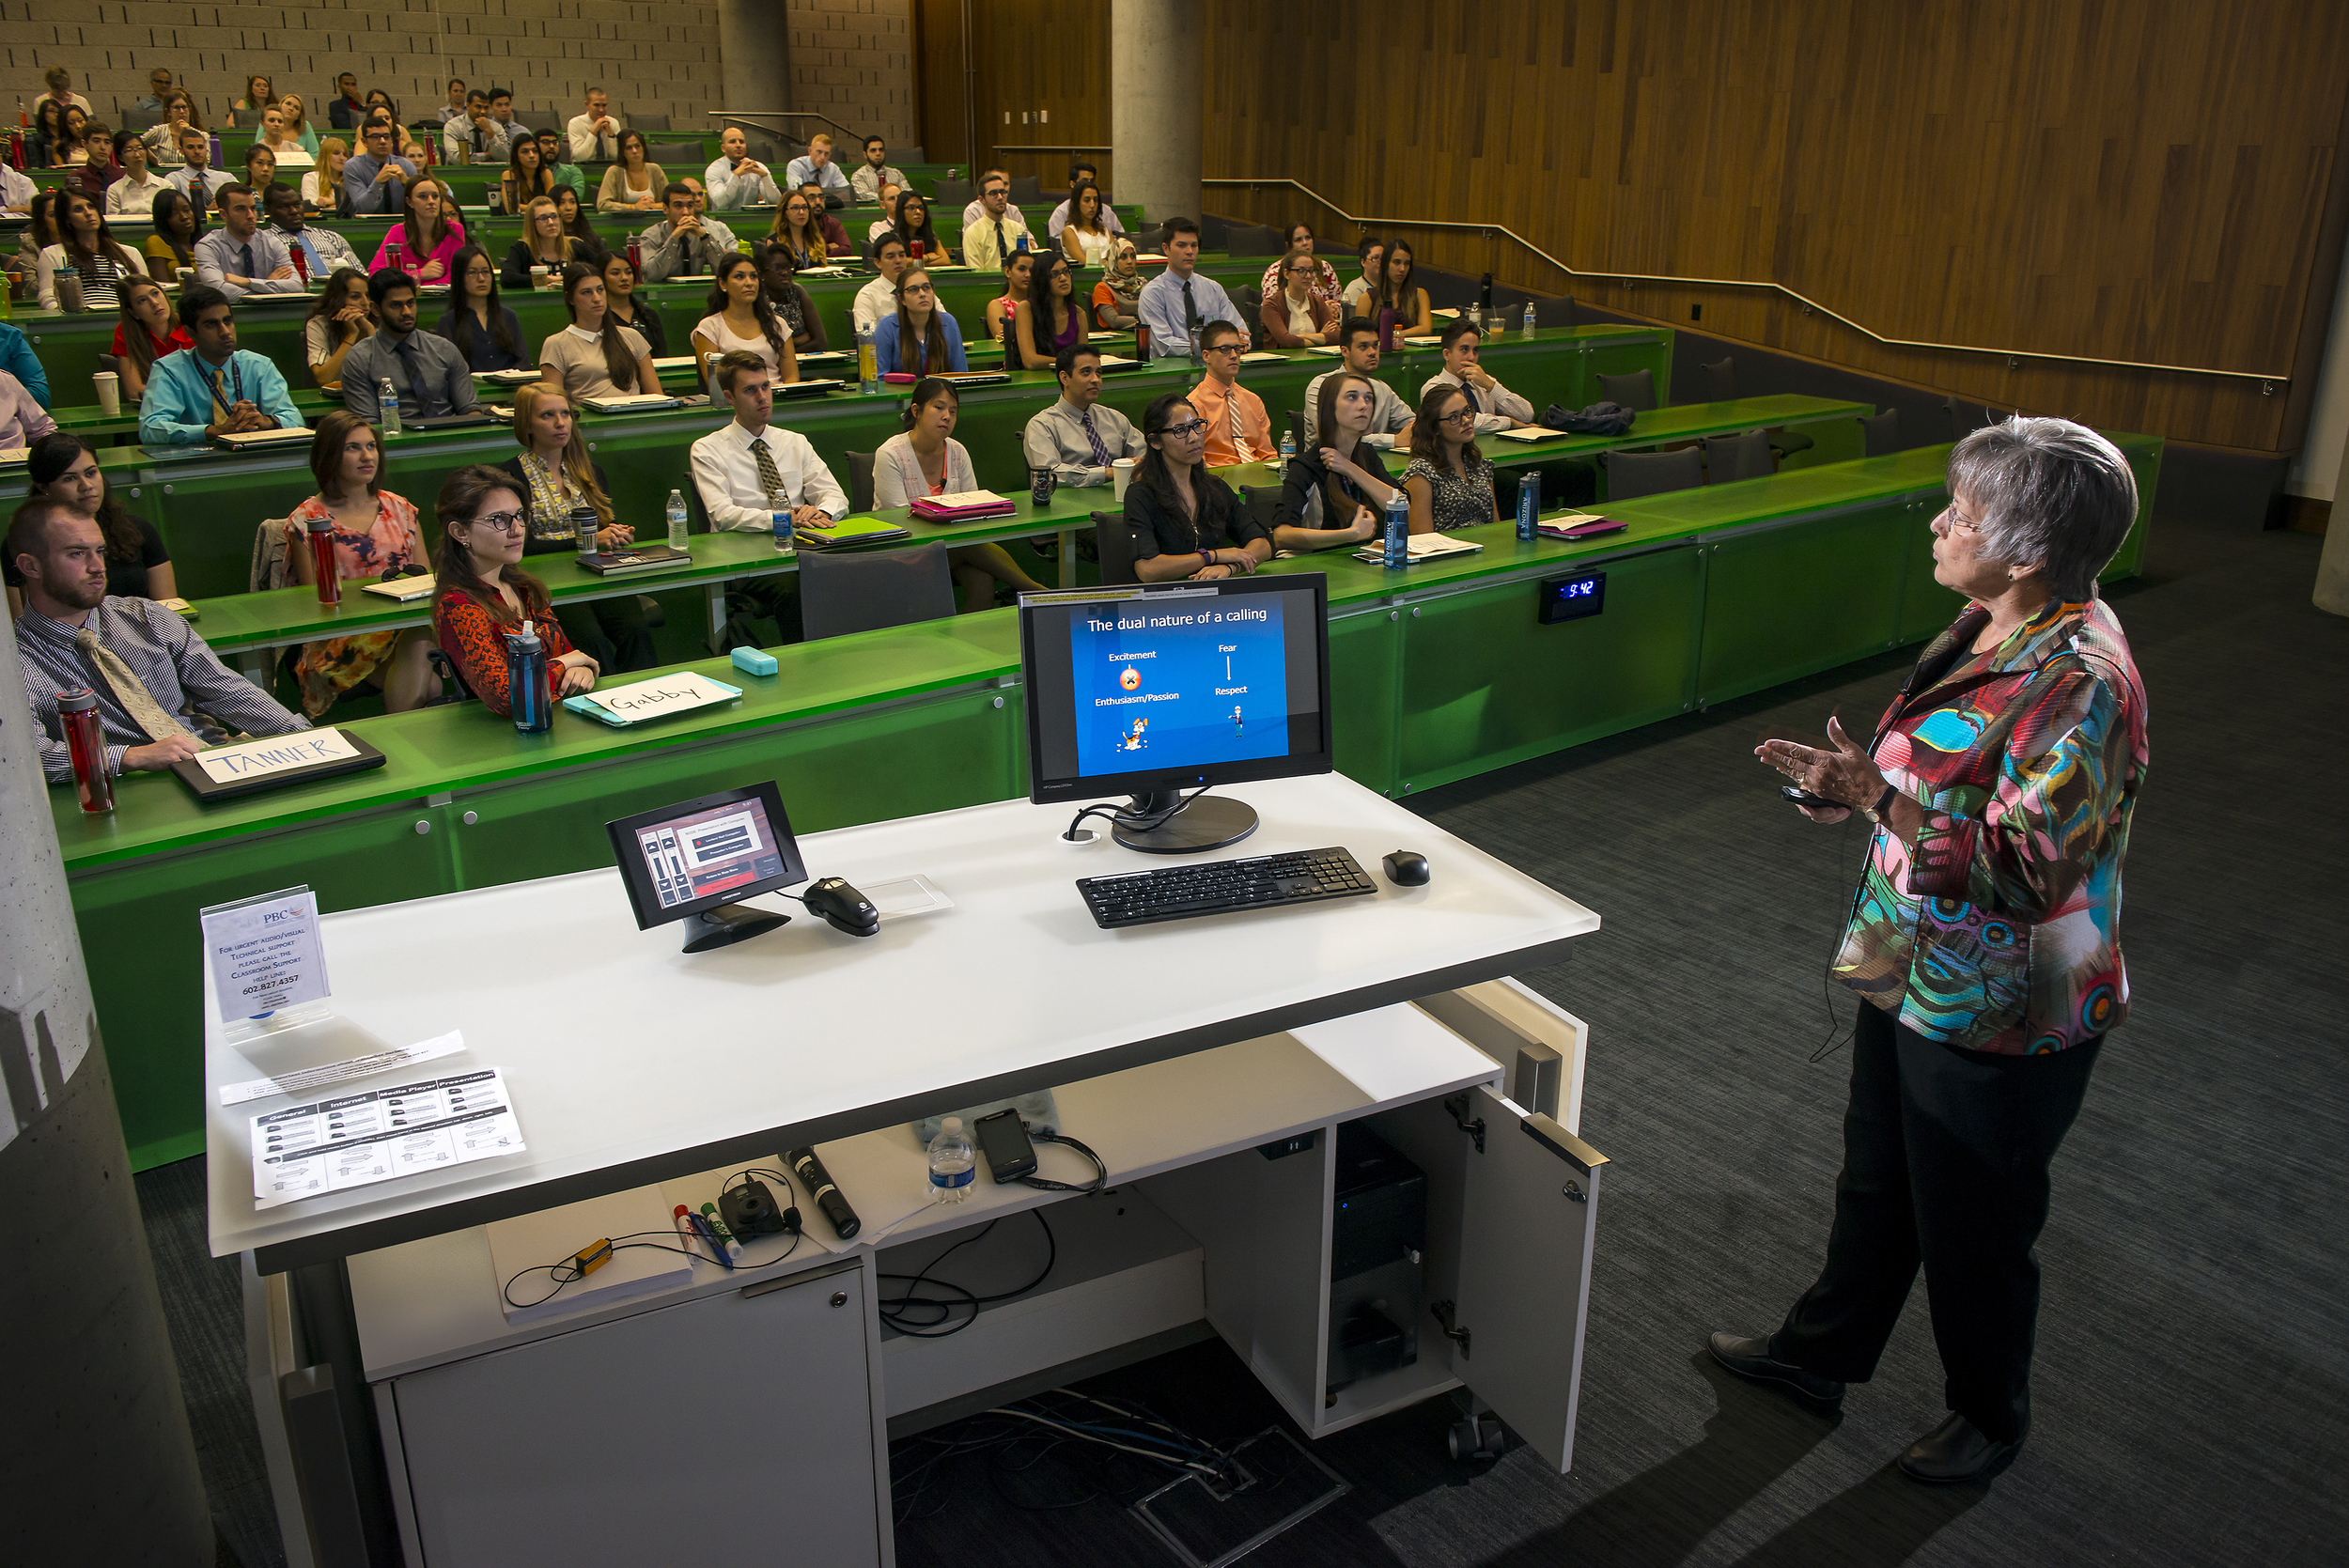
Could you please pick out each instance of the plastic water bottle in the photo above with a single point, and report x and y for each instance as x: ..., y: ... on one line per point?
x: 1528, y: 507
x: 1529, y: 318
x: 1289, y: 445
x: 387, y: 413
x: 526, y: 681
x: 778, y: 514
x: 1398, y: 531
x: 676, y: 520
x: 867, y: 361
x: 953, y: 1162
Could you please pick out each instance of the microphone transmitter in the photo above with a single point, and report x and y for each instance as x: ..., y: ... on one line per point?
x: 749, y: 1210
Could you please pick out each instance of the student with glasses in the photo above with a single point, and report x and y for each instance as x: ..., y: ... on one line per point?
x: 1185, y: 522
x: 998, y: 230
x: 1449, y: 482
x: 1300, y: 240
x: 918, y: 339
x: 481, y: 592
x: 1239, y: 428
x: 485, y: 331
x: 1293, y: 315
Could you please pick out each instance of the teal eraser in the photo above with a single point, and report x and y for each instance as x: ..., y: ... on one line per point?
x: 754, y: 661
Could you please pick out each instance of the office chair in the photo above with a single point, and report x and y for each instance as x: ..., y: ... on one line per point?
x: 1719, y: 381
x: 1882, y: 432
x: 650, y: 122
x: 1254, y: 239
x: 866, y: 590
x: 1631, y: 475
x: 1745, y: 456
x: 901, y: 156
x: 953, y: 197
x: 1113, y: 544
x: 668, y: 154
x: 1026, y: 190
x: 1264, y: 504
x: 860, y: 481
x: 1634, y: 390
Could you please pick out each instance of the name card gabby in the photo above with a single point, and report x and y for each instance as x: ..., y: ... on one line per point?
x: 655, y: 698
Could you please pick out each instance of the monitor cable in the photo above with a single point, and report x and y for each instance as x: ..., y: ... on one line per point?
x: 1141, y: 821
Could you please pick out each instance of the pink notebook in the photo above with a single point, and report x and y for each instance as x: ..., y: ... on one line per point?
x: 962, y: 506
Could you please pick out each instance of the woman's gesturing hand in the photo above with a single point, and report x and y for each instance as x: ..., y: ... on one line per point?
x: 1846, y: 775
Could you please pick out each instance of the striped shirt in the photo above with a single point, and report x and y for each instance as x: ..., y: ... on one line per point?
x: 176, y: 665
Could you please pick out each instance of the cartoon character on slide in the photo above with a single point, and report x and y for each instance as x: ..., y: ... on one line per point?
x: 1131, y: 740
x: 1238, y: 729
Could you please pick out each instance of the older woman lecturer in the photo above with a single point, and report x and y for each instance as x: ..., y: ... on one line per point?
x: 1983, y: 939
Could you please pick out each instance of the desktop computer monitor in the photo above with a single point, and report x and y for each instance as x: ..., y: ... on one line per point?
x: 696, y: 860
x: 1157, y: 690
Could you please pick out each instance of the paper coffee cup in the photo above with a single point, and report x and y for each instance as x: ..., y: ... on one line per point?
x: 1120, y: 476
x: 109, y: 387
x: 538, y: 277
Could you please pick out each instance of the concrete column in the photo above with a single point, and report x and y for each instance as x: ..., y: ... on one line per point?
x: 2332, y: 568
x: 96, y: 1461
x: 755, y: 59
x: 1156, y: 105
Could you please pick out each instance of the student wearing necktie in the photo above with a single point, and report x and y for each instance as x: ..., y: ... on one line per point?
x: 428, y: 373
x: 1239, y: 429
x: 214, y: 388
x: 239, y: 258
x: 999, y: 230
x: 1079, y: 436
x: 1495, y: 405
x: 1179, y: 299
x: 323, y: 250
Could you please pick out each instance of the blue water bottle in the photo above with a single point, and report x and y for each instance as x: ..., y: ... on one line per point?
x: 1528, y: 507
x: 526, y: 681
x: 1398, y: 541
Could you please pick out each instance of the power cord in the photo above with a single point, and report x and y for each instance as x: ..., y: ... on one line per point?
x: 896, y: 1311
x: 1145, y: 821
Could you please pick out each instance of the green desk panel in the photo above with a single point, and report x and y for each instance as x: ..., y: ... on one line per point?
x: 1366, y: 662
x: 1485, y: 684
x: 1785, y: 601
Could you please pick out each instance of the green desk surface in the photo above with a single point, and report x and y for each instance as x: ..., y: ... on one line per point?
x: 460, y: 747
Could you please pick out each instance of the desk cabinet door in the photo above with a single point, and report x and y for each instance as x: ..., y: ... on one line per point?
x: 735, y: 1428
x: 1530, y: 1212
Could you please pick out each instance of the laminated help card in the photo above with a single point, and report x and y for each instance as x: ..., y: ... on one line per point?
x: 306, y: 1151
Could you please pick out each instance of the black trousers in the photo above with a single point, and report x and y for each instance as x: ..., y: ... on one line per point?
x: 1945, y: 1163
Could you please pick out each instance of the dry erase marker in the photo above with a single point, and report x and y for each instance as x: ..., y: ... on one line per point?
x: 685, y: 1231
x: 709, y: 1240
x: 710, y: 1218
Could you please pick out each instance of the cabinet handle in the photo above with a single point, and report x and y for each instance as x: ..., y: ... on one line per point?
x: 423, y: 827
x: 840, y: 1298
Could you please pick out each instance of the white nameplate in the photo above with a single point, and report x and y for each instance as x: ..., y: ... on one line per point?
x: 663, y: 694
x: 279, y: 753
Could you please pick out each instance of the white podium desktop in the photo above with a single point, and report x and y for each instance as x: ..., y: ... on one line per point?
x: 1178, y: 1052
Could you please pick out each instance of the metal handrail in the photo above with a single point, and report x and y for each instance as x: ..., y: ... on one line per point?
x: 1001, y: 148
x: 752, y: 117
x: 2268, y: 381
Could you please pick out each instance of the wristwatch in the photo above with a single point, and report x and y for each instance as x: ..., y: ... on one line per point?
x: 1875, y: 814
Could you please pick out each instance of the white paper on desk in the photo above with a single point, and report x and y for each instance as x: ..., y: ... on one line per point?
x: 358, y: 1140
x: 308, y: 1078
x: 265, y: 953
x: 279, y: 753
x: 1261, y: 356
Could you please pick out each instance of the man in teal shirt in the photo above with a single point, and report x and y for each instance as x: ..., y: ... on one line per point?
x: 18, y: 359
x: 214, y: 388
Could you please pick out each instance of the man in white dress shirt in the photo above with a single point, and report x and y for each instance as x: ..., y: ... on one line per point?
x: 879, y: 298
x: 195, y: 178
x: 875, y: 172
x: 735, y: 179
x: 1390, y: 416
x: 596, y: 134
x: 737, y: 467
x: 1497, y: 408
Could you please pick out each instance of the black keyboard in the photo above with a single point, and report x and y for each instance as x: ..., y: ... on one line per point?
x: 1260, y: 881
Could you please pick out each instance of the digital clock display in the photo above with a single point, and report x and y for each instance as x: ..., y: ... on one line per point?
x: 1570, y: 598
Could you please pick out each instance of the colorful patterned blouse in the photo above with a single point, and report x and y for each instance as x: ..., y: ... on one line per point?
x: 2000, y: 930
x: 475, y: 640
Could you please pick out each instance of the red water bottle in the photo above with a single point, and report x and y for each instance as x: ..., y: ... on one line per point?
x: 321, y: 534
x: 301, y: 264
x: 16, y: 149
x: 635, y: 256
x: 917, y: 249
x: 86, y: 743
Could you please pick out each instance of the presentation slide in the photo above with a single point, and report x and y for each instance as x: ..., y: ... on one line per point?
x: 1179, y: 683
x: 706, y: 854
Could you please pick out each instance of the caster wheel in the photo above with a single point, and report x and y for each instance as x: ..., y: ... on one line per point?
x: 1461, y: 1439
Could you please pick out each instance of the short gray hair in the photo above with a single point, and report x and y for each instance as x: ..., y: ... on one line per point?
x: 2051, y: 494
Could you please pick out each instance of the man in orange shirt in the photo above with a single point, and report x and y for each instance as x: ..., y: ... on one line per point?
x: 1239, y: 430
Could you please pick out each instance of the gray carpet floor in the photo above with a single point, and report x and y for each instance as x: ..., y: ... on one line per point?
x: 2191, y: 1399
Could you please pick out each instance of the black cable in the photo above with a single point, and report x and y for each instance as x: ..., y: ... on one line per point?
x: 554, y: 1270
x: 893, y: 1312
x: 1145, y: 821
x: 1838, y: 1034
x: 1043, y: 1183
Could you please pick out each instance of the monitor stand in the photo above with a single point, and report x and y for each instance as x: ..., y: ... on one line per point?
x: 726, y: 924
x: 1209, y: 822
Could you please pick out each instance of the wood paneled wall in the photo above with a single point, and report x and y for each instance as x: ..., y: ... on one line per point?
x: 1047, y: 58
x: 2152, y: 181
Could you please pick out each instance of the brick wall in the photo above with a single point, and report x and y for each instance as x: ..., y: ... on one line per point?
x: 650, y: 57
x: 852, y: 59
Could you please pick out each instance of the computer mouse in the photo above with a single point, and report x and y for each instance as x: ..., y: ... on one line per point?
x: 843, y: 906
x: 1406, y: 868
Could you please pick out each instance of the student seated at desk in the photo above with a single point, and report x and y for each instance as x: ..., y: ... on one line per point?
x: 790, y: 302
x: 587, y: 359
x: 62, y: 468
x: 1450, y: 483
x: 741, y: 321
x: 925, y: 459
x: 133, y: 194
x: 179, y: 224
x: 322, y: 191
x: 684, y: 243
x: 875, y: 173
x: 321, y: 250
x: 1185, y: 522
x: 22, y: 420
x: 1293, y: 315
x: 195, y: 178
x: 427, y: 372
x: 1372, y: 254
x: 480, y: 594
x: 374, y: 531
x: 1117, y: 298
x: 1398, y: 291
x: 555, y: 155
x: 797, y: 232
x: 1079, y: 436
x: 423, y: 241
x: 214, y: 388
x: 1335, y: 493
x: 484, y: 331
x: 887, y: 222
x: 917, y: 337
x: 557, y: 477
x: 1497, y: 408
x: 1089, y: 232
x: 879, y: 298
x: 543, y: 244
x: 836, y: 241
x: 260, y: 166
x: 87, y: 244
x: 144, y: 663
x: 735, y: 179
x: 1182, y: 300
x: 237, y: 258
x: 998, y: 229
x: 1239, y: 429
x: 1081, y: 175
x: 816, y: 168
x: 633, y: 183
x: 1322, y: 285
x: 526, y: 177
x: 623, y: 305
x: 915, y: 228
x: 1018, y: 268
x: 1392, y: 415
x: 342, y: 318
x: 741, y: 468
x: 1052, y: 318
x: 150, y: 329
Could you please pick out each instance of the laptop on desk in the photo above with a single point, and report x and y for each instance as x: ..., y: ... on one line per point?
x: 263, y: 441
